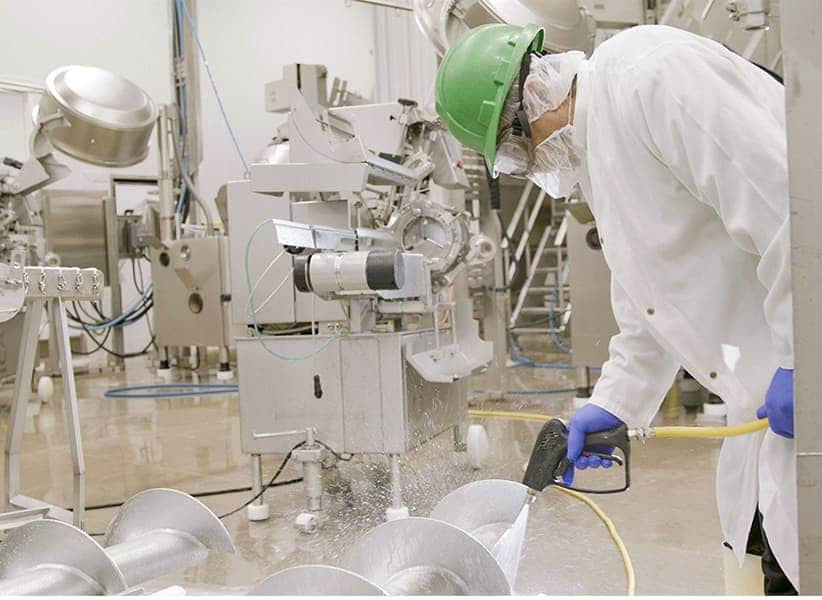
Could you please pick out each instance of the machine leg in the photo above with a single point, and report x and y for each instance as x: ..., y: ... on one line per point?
x: 52, y: 366
x: 397, y: 510
x: 72, y: 412
x: 310, y: 457
x: 164, y: 370
x: 20, y: 399
x: 583, y: 386
x: 257, y: 510
x: 224, y: 371
x: 459, y: 442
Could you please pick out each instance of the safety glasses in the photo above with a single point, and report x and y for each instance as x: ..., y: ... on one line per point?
x: 514, y: 154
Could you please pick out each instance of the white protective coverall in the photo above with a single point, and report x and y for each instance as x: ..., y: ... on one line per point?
x: 685, y: 169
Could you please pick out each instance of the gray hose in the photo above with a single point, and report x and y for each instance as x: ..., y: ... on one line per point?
x: 194, y: 193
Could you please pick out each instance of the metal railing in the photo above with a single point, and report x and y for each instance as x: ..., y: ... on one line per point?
x: 520, y: 255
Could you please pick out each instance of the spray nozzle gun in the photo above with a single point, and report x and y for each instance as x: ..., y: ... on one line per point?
x: 549, y: 461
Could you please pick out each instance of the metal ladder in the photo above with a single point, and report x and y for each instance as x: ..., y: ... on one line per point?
x: 544, y: 265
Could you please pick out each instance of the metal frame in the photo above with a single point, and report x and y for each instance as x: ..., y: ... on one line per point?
x: 37, y: 297
x: 802, y: 45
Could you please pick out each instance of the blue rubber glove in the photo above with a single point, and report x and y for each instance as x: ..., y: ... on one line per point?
x: 588, y: 419
x: 778, y: 405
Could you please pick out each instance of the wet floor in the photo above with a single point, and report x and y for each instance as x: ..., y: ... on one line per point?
x: 667, y: 519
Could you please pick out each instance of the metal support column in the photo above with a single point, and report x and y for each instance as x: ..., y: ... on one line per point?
x: 802, y: 47
x: 113, y: 266
x: 71, y: 411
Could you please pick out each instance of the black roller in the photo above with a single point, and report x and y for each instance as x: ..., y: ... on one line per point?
x: 385, y: 270
x: 302, y: 279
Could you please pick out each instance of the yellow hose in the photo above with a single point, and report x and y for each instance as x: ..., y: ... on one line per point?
x: 623, y: 551
x: 660, y: 432
x: 502, y: 414
x: 710, y: 432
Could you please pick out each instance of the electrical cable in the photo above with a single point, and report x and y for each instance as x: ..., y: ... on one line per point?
x: 97, y: 349
x: 270, y: 483
x: 268, y: 267
x: 137, y: 286
x: 343, y: 457
x: 276, y: 289
x: 122, y: 320
x: 190, y: 187
x: 223, y: 492
x: 126, y: 355
x: 182, y: 4
x: 100, y: 325
x: 256, y: 327
x: 101, y: 346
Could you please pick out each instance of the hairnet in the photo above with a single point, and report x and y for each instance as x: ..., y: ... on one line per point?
x: 549, y: 81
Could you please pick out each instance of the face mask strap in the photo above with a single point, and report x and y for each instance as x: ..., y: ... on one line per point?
x: 520, y: 125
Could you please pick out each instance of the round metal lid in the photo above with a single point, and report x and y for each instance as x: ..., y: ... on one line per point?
x: 100, y: 97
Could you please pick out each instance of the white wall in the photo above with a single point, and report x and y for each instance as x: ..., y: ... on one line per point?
x: 405, y: 59
x: 126, y: 36
x: 247, y: 42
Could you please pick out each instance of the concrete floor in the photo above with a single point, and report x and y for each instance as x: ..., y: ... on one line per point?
x: 668, y: 518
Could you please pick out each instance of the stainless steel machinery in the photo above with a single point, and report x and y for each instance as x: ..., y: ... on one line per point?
x: 346, y: 257
x: 189, y: 264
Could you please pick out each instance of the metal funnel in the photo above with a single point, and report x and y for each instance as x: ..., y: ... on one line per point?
x: 419, y: 557
x: 494, y: 512
x: 486, y: 509
x: 160, y: 531
x: 315, y: 580
x: 48, y: 557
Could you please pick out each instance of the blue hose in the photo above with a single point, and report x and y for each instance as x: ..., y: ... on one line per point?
x: 165, y: 390
x: 118, y: 321
x: 527, y: 362
x: 551, y: 312
x: 181, y: 4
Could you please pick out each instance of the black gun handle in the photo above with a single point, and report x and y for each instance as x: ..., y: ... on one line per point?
x: 617, y: 437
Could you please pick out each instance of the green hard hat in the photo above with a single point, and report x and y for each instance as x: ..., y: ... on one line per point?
x: 475, y: 77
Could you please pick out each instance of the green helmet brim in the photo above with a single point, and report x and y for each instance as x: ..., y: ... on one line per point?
x: 531, y: 40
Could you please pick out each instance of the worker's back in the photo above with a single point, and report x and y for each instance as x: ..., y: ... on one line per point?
x: 686, y: 174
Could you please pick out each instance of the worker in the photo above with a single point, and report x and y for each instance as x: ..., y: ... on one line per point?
x: 679, y: 147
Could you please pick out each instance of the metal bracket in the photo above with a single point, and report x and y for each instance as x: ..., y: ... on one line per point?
x: 38, y: 285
